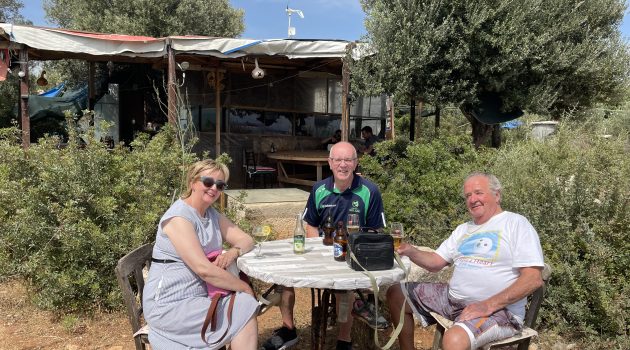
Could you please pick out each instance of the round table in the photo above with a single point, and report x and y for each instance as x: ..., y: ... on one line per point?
x: 315, y: 269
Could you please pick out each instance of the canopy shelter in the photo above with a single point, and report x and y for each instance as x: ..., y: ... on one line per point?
x: 213, y: 56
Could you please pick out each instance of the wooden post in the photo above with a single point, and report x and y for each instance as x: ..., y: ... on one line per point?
x: 437, y: 120
x: 390, y: 130
x: 217, y: 107
x: 91, y: 92
x: 26, y: 119
x: 345, y: 109
x: 412, y: 120
x: 172, y: 91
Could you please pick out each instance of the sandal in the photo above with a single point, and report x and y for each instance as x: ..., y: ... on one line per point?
x: 272, y: 297
x: 366, y: 313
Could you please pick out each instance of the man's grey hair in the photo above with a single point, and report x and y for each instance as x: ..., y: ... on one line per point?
x: 493, y: 182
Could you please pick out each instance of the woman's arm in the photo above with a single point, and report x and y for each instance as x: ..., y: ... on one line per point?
x: 181, y: 233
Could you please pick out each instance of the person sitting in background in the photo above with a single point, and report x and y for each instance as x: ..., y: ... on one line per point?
x: 370, y: 140
x: 328, y: 142
x: 175, y: 295
x: 498, y: 262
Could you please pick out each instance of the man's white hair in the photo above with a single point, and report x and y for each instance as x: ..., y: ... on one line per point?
x: 493, y: 182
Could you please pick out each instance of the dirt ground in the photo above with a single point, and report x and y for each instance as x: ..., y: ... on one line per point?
x: 22, y: 326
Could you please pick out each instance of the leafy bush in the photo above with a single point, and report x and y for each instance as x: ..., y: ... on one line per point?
x: 574, y: 188
x: 421, y: 184
x: 68, y: 214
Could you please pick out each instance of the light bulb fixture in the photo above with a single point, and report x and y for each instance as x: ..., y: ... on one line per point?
x: 42, y: 81
x: 257, y: 73
x: 21, y: 74
x: 183, y: 66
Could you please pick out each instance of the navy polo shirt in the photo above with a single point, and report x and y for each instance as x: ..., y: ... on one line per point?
x: 362, y: 197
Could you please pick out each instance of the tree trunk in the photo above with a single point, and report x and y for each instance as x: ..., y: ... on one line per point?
x: 480, y: 131
x: 496, y: 136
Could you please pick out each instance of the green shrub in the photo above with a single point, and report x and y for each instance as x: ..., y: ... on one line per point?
x: 421, y: 184
x: 68, y: 214
x: 574, y: 188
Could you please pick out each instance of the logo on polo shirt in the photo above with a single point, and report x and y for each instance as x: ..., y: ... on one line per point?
x: 355, y: 204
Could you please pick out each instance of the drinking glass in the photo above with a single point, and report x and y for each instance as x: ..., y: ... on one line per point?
x: 260, y: 234
x: 397, y: 233
x: 352, y: 224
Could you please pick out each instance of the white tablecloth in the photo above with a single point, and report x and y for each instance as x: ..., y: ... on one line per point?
x: 314, y: 269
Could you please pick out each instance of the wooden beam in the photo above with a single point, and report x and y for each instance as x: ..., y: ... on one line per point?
x: 26, y: 119
x: 172, y: 91
x: 91, y: 91
x: 345, y: 108
x: 217, y: 105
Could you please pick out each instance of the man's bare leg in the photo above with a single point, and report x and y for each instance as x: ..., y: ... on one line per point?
x: 345, y: 328
x: 286, y: 307
x: 456, y: 338
x: 395, y: 300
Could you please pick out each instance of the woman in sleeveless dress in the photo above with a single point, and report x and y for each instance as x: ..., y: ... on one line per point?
x: 175, y: 297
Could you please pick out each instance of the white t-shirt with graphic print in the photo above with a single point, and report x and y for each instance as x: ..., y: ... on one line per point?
x: 487, y: 257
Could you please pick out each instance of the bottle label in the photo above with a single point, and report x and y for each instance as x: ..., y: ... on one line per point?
x: 298, y: 243
x: 337, y: 250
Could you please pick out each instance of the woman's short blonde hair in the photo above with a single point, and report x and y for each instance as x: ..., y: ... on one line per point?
x: 199, y: 167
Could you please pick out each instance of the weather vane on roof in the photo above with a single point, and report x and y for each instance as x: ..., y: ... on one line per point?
x: 291, y: 11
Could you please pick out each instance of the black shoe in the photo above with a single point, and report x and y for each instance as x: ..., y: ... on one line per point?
x: 343, y: 345
x: 282, y: 338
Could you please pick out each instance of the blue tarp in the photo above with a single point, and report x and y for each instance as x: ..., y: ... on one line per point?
x: 54, y: 92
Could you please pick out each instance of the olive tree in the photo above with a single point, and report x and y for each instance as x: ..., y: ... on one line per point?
x: 543, y: 56
x: 155, y: 18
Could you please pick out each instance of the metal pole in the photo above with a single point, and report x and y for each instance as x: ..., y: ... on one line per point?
x: 412, y: 120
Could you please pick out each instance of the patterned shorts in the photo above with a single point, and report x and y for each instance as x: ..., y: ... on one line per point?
x: 426, y: 297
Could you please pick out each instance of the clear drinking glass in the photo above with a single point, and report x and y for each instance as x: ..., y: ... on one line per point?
x: 261, y: 234
x: 352, y: 224
x: 397, y: 233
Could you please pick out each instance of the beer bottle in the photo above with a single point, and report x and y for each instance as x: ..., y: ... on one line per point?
x: 299, y: 236
x: 328, y: 228
x: 340, y: 245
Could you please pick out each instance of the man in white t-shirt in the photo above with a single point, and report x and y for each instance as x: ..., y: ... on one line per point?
x: 498, y: 262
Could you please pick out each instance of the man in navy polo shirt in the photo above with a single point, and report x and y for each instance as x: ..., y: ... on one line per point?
x: 344, y: 192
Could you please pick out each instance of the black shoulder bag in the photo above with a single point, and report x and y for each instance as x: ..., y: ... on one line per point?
x: 373, y: 251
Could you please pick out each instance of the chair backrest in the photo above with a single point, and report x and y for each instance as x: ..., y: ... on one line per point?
x: 130, y: 275
x: 249, y: 160
x: 536, y: 299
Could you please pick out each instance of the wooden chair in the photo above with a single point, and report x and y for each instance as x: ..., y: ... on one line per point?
x: 522, y: 339
x: 130, y: 274
x: 253, y: 170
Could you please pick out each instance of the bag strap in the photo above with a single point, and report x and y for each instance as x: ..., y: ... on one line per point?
x: 211, y: 317
x: 375, y: 288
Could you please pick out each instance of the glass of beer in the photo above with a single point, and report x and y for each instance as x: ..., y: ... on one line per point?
x: 352, y: 224
x: 397, y: 233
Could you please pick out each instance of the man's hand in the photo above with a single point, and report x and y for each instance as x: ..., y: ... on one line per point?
x: 405, y: 249
x: 475, y: 310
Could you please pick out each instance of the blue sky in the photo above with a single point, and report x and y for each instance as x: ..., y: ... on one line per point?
x: 267, y: 19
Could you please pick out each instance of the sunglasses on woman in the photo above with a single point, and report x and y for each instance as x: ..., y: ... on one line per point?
x: 209, y: 182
